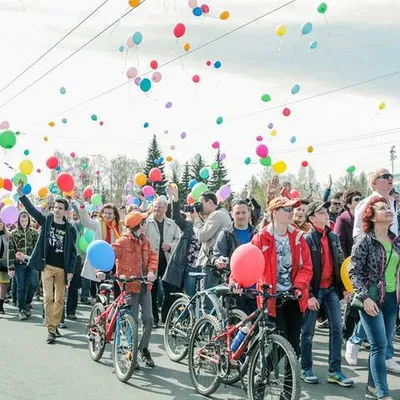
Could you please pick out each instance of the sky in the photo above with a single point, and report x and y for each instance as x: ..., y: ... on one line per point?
x: 357, y: 41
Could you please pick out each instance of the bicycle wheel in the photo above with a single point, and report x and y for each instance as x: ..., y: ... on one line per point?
x: 204, y: 356
x: 96, y: 333
x: 125, y: 347
x: 178, y: 324
x: 278, y: 375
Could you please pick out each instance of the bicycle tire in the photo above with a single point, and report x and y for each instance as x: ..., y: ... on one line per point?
x: 132, y: 352
x: 96, y: 355
x: 172, y: 352
x: 293, y: 363
x: 193, y: 361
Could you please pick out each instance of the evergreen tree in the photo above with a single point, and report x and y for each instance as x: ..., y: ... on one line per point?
x: 219, y: 175
x: 183, y: 184
x: 153, y: 154
x: 197, y: 165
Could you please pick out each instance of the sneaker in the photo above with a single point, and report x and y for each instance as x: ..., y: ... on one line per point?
x: 28, y: 312
x: 370, y: 394
x: 340, y: 379
x: 37, y: 297
x: 308, y: 376
x: 62, y: 325
x: 51, y: 338
x: 85, y: 301
x: 146, y: 358
x: 392, y: 366
x: 351, y: 354
x: 323, y: 324
x: 155, y: 325
x: 72, y: 317
x: 58, y: 334
x: 22, y: 315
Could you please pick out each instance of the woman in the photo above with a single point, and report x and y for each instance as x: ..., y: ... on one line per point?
x: 299, y: 217
x: 4, y: 277
x: 373, y: 272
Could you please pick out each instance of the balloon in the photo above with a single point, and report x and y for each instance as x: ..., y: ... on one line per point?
x: 88, y: 234
x: 295, y: 89
x: 270, y: 125
x: 196, y: 78
x: 304, y: 164
x: 266, y: 98
x: 262, y: 150
x: 121, y: 48
x: 27, y: 189
x: 1, y: 185
x: 344, y: 275
x: 192, y: 3
x: 148, y: 191
x: 224, y: 15
x: 279, y: 167
x: 52, y: 124
x: 204, y: 173
x: 280, y: 30
x: 146, y: 125
x: 26, y: 152
x: 306, y: 28
x: 63, y: 90
x: 214, y: 165
x: 205, y: 8
x: 217, y: 64
x: 155, y: 175
x: 382, y: 106
x: 88, y: 192
x: 131, y: 73
x: 351, y: 169
x: 93, y: 117
x: 64, y: 120
x: 134, y: 3
x: 220, y: 120
x: 273, y: 132
x: 172, y: 147
x: 145, y: 85
x: 43, y: 192
x: 222, y: 157
x: 129, y: 42
x: 96, y: 200
x: 5, y: 125
x: 19, y: 177
x: 168, y: 158
x: 286, y: 112
x: 191, y: 183
x: 247, y: 264
x: 101, y: 255
x: 129, y: 199
x: 45, y: 138
x: 208, y: 63
x: 197, y: 11
x: 215, y: 145
x: 310, y: 149
x: 7, y: 139
x: 82, y: 244
x: 313, y: 45
x: 322, y: 8
x: 247, y: 160
x: 225, y: 191
x: 266, y: 162
x: 26, y: 167
x: 137, y: 38
x: 259, y: 138
x: 189, y: 199
x: 7, y: 184
x: 71, y: 193
x: 53, y: 187
x: 295, y: 194
x: 153, y: 64
x: 183, y: 135
x: 186, y: 47
x: 179, y: 30
x: 198, y: 189
x: 156, y: 77
x: 9, y: 214
x: 293, y: 139
x: 137, y: 80
x: 168, y: 105
x: 65, y: 182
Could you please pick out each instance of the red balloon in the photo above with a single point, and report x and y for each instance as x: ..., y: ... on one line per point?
x: 205, y: 8
x: 155, y: 175
x: 52, y: 162
x: 179, y: 30
x: 208, y: 63
x: 88, y: 192
x: 286, y: 112
x: 247, y: 264
x: 65, y: 182
x: 295, y: 194
x: 304, y: 164
x: 7, y: 184
x: 154, y: 64
x: 101, y: 123
x: 190, y: 199
x: 38, y: 170
x: 196, y: 79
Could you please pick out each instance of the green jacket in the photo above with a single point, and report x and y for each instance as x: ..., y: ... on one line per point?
x: 23, y: 241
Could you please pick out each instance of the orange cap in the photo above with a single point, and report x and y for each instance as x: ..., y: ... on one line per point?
x: 280, y: 202
x: 134, y: 218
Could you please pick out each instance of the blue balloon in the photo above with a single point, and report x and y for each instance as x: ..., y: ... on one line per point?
x: 161, y: 160
x: 191, y: 183
x: 136, y: 201
x: 217, y: 64
x: 150, y: 198
x: 197, y: 11
x: 101, y: 255
x: 313, y: 45
x: 306, y: 28
x: 121, y: 48
x: 27, y: 189
x: 145, y: 85
x: 293, y: 139
x: 146, y: 125
x: 64, y: 120
x: 137, y: 38
x: 295, y: 89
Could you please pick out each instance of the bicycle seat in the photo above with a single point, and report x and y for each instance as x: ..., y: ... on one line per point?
x: 106, y: 287
x: 197, y: 274
x: 222, y: 290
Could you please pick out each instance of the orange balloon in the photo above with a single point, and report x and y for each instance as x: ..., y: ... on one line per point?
x: 168, y: 158
x: 186, y: 47
x: 52, y: 123
x: 134, y: 3
x: 140, y: 179
x: 45, y: 138
x: 69, y: 194
x: 224, y: 15
x: 1, y: 182
x: 43, y: 192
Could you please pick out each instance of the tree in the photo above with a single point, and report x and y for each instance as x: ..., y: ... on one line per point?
x: 153, y: 154
x: 219, y: 175
x: 184, y: 184
x: 197, y: 164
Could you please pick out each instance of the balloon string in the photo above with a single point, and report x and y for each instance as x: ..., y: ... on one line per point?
x: 327, y: 25
x: 279, y: 43
x: 137, y: 56
x: 295, y: 49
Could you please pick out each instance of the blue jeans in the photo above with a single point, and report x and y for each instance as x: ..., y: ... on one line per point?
x: 379, y: 332
x: 26, y: 285
x: 330, y: 299
x: 189, y: 282
x: 85, y: 288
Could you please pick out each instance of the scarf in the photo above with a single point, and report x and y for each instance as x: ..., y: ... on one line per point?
x: 107, y: 228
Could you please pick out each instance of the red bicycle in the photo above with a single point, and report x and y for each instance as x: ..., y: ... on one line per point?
x: 114, y: 322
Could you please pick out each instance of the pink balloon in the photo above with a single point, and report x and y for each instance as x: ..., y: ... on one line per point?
x: 73, y: 155
x: 219, y: 198
x: 9, y: 214
x: 5, y: 125
x: 148, y: 191
x: 129, y: 42
x: 262, y: 151
x: 179, y: 30
x: 259, y: 138
x: 192, y: 3
x: 156, y: 77
x: 131, y: 73
x: 215, y: 145
x: 247, y: 264
x: 129, y: 199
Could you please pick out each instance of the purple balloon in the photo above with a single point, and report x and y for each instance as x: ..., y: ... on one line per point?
x: 222, y: 157
x: 270, y: 125
x: 9, y: 214
x: 183, y: 135
x: 129, y: 200
x: 138, y: 79
x: 168, y: 105
x: 225, y: 191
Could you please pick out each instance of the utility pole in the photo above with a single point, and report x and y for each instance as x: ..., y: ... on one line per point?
x: 392, y: 157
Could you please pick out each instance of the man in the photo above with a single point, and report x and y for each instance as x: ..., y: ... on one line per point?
x: 55, y: 255
x: 335, y: 208
x: 207, y: 226
x: 299, y: 217
x: 325, y: 289
x: 238, y: 233
x: 164, y: 236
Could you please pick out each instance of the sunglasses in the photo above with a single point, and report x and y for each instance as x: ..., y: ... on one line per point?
x: 357, y: 199
x: 385, y: 176
x: 287, y: 209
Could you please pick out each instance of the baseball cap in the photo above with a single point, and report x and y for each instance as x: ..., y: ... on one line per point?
x: 134, y: 218
x: 315, y: 206
x: 280, y: 202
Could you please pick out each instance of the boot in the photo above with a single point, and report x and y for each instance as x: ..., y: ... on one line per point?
x: 1, y: 307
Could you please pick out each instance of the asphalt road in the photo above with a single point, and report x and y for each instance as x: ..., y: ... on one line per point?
x: 32, y: 370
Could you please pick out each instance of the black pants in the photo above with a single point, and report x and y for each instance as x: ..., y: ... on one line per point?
x: 154, y: 295
x: 168, y: 299
x: 246, y: 304
x: 351, y: 319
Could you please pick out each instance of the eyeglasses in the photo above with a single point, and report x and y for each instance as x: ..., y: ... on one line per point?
x: 287, y: 209
x: 385, y: 176
x: 357, y: 199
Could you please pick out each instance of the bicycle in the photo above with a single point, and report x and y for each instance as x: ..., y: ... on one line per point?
x: 210, y: 347
x: 114, y: 321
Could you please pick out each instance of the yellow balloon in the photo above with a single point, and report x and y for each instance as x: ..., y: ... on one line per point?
x: 1, y: 182
x: 274, y: 132
x: 140, y: 179
x: 344, y: 274
x: 42, y: 192
x: 224, y: 15
x: 279, y: 167
x: 69, y: 194
x: 7, y: 201
x: 310, y: 149
x: 280, y: 30
x: 134, y: 3
x: 186, y: 47
x: 26, y: 167
x: 382, y: 106
x: 52, y: 123
x: 168, y: 158
x: 45, y: 138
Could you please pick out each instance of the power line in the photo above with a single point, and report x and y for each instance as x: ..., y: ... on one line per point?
x: 52, y: 47
x: 71, y: 55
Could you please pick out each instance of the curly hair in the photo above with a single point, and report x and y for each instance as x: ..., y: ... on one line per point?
x: 349, y: 194
x: 116, y: 212
x: 369, y: 213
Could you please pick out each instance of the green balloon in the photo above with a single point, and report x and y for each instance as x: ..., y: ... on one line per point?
x: 266, y: 98
x: 322, y: 8
x: 204, y: 173
x: 96, y: 200
x: 214, y: 165
x: 85, y: 166
x: 220, y: 120
x: 198, y: 190
x: 351, y: 169
x: 88, y: 234
x: 266, y: 161
x: 247, y: 161
x: 82, y: 244
x: 8, y: 139
x: 94, y: 117
x: 19, y: 176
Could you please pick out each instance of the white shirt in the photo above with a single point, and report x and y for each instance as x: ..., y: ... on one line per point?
x: 357, y: 230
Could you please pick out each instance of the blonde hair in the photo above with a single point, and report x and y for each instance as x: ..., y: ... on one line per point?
x: 374, y: 176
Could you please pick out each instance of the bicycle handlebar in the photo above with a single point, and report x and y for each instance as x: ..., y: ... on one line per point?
x: 123, y: 279
x: 291, y: 294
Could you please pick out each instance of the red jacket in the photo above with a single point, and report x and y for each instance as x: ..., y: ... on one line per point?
x: 302, y: 268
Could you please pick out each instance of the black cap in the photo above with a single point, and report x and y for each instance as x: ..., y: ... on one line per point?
x: 315, y: 206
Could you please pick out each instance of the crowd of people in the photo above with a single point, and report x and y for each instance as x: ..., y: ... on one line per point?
x: 304, y: 243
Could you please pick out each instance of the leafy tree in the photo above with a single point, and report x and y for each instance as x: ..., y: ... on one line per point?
x: 219, y: 175
x: 153, y: 154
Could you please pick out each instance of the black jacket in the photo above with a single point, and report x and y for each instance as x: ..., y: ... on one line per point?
x: 38, y: 259
x: 313, y: 239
